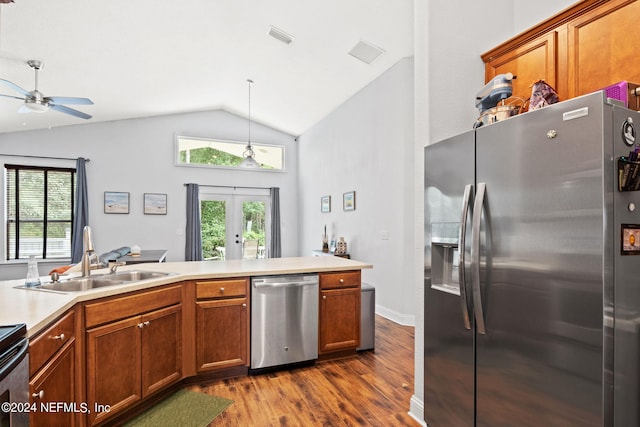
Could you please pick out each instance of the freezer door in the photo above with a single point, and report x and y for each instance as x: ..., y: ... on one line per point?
x: 449, y: 381
x: 539, y: 358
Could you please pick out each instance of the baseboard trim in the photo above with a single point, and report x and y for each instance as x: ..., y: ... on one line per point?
x: 416, y: 410
x: 394, y: 316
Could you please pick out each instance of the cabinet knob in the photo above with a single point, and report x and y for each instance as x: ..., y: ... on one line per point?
x: 140, y: 325
x: 146, y: 323
x: 39, y: 394
x: 324, y: 297
x: 222, y: 290
x: 244, y: 305
x: 341, y: 280
x: 58, y: 337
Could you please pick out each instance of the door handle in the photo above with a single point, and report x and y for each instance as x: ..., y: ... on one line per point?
x: 478, y: 208
x: 462, y: 280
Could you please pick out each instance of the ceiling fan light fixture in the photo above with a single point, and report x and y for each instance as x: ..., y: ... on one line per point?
x: 35, y: 106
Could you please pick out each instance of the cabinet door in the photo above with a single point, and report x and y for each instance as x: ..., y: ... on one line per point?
x: 113, y: 367
x: 339, y: 320
x: 222, y: 334
x: 530, y: 62
x: 161, y: 349
x: 602, y: 47
x: 55, y: 383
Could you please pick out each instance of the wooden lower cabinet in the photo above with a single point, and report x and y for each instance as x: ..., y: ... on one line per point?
x: 103, y: 357
x: 222, y: 324
x: 53, y: 391
x: 161, y: 349
x: 339, y: 312
x: 127, y: 360
x: 53, y: 373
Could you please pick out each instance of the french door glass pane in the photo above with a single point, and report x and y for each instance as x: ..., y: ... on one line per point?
x: 254, y: 230
x: 214, y: 225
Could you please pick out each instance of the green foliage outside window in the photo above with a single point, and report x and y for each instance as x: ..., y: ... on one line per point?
x: 213, y: 224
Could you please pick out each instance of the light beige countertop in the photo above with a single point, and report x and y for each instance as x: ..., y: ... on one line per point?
x: 38, y: 308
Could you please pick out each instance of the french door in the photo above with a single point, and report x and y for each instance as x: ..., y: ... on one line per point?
x: 235, y: 224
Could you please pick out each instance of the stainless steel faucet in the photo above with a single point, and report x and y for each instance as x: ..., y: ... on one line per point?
x: 89, y: 257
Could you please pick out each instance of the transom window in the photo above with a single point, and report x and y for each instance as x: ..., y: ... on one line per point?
x: 192, y: 151
x: 40, y: 203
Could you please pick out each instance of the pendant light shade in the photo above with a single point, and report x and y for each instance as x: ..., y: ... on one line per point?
x: 249, y: 160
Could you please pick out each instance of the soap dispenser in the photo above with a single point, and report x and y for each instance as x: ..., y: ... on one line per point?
x: 33, y: 276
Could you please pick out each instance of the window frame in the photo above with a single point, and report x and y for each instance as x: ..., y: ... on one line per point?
x: 255, y: 145
x: 8, y: 167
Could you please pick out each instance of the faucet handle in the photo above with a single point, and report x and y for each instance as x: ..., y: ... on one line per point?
x: 113, y: 265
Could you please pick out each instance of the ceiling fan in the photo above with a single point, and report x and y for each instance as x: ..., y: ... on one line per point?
x: 35, y: 101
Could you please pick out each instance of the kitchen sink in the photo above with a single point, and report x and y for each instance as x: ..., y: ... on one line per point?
x: 78, y: 284
x: 132, y: 276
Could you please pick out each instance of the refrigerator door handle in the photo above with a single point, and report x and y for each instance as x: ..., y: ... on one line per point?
x: 478, y: 208
x: 466, y: 202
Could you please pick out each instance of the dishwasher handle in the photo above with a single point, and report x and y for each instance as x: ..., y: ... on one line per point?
x: 282, y: 282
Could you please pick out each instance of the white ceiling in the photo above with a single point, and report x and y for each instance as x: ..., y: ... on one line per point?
x: 138, y: 58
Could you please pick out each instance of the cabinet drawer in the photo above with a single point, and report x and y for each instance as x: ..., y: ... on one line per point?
x: 121, y: 307
x: 48, y: 342
x: 222, y: 288
x: 341, y: 279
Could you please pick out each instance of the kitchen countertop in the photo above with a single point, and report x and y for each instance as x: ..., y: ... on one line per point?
x: 38, y: 308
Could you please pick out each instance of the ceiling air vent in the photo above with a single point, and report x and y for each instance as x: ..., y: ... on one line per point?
x: 366, y: 52
x: 278, y: 34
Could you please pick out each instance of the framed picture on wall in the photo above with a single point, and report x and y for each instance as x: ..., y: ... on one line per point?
x: 325, y: 204
x: 155, y: 204
x: 116, y: 202
x: 349, y: 201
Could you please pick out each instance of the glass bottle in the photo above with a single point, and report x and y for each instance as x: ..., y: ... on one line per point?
x: 33, y: 276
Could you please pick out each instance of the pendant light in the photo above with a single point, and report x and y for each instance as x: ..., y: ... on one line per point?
x: 249, y: 160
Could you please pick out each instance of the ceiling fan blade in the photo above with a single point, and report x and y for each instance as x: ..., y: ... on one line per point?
x: 71, y: 111
x: 11, y: 96
x: 15, y: 87
x: 68, y: 100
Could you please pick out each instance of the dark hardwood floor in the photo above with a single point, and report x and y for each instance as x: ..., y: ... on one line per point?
x: 370, y: 389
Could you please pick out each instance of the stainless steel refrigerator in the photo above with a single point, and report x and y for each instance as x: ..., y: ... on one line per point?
x: 532, y: 273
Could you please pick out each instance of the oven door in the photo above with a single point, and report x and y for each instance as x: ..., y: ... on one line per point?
x: 14, y: 385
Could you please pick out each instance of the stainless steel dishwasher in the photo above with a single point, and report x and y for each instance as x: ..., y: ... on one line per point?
x: 284, y: 320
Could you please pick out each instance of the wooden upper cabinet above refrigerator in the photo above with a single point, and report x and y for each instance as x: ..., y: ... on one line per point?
x: 584, y: 48
x: 530, y: 62
x: 602, y: 47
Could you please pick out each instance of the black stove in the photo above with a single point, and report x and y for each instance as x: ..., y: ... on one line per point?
x: 14, y: 375
x: 10, y: 334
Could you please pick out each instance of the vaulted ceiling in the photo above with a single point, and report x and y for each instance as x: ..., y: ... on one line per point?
x: 139, y: 58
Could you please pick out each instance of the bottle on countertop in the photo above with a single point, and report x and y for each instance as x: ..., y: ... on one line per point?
x: 33, y: 276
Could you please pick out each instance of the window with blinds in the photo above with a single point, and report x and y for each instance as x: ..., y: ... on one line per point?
x: 40, y: 204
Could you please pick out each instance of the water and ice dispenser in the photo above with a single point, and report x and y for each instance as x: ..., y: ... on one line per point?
x: 445, y: 257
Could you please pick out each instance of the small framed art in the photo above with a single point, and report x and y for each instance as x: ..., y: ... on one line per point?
x: 116, y: 202
x: 325, y: 204
x: 349, y: 201
x: 155, y: 204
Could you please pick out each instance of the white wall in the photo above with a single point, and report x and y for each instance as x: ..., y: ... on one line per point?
x: 528, y: 13
x: 366, y: 146
x: 137, y: 156
x: 449, y: 38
